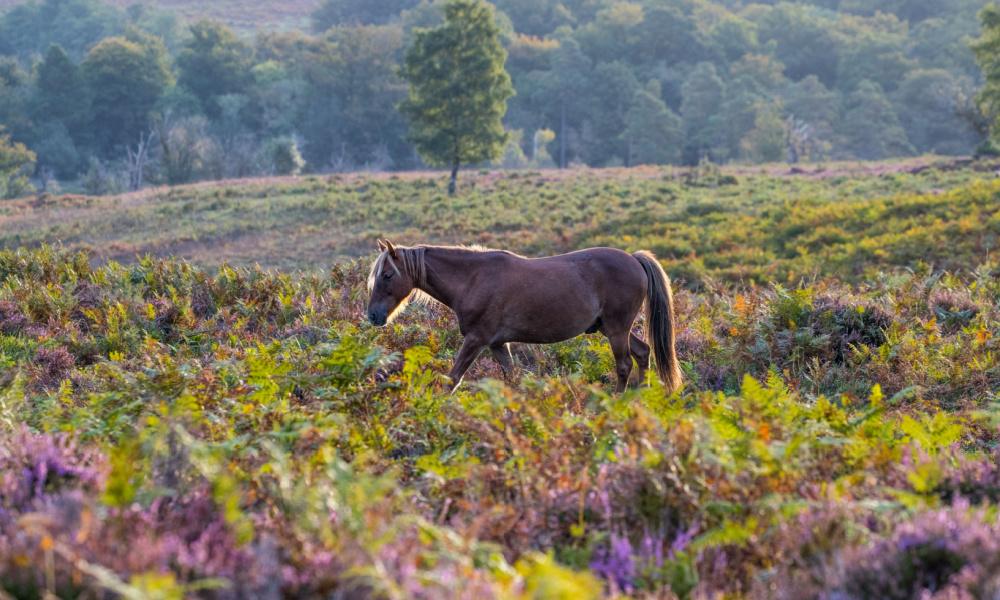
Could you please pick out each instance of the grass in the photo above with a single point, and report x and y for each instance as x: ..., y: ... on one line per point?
x: 751, y: 224
x: 172, y: 427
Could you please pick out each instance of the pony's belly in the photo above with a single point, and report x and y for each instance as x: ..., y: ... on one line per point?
x: 551, y: 332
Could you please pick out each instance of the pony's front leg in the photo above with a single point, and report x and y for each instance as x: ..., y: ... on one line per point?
x: 471, y: 348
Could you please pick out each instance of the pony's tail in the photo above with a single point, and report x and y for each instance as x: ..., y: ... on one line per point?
x: 660, y: 319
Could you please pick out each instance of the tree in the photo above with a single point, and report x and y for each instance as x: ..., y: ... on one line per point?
x: 351, y: 94
x: 768, y: 140
x: 608, y: 105
x: 702, y: 95
x: 137, y: 160
x: 59, y: 106
x: 871, y: 126
x: 183, y: 145
x: 16, y: 164
x: 805, y: 40
x: 876, y: 57
x: 125, y: 77
x: 458, y: 88
x: 358, y: 12
x: 929, y: 107
x: 212, y: 63
x: 30, y: 28
x: 15, y: 99
x: 814, y: 111
x: 536, y: 17
x: 654, y: 132
x: 60, y: 92
x: 569, y: 81
x: 987, y: 50
x: 283, y: 158
x: 539, y: 147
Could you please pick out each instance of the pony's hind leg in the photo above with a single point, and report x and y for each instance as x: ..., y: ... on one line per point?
x: 623, y: 358
x: 501, y: 353
x: 640, y: 351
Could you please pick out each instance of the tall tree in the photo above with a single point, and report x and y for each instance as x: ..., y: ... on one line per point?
x: 458, y: 88
x: 213, y: 63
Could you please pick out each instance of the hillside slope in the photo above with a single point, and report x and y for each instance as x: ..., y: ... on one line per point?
x: 749, y: 224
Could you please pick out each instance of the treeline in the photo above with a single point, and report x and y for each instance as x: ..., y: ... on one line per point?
x: 113, y: 99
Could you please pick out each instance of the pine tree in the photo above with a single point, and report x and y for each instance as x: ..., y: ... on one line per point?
x: 458, y: 88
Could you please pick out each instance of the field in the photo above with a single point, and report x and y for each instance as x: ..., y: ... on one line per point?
x: 190, y: 402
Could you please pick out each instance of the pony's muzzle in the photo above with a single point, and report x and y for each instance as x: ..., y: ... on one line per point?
x: 377, y: 317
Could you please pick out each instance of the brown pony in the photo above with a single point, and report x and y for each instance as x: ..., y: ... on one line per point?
x: 500, y: 297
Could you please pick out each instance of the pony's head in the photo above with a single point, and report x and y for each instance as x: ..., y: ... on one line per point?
x: 393, y: 280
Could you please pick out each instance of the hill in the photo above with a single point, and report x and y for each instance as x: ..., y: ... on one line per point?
x: 756, y: 224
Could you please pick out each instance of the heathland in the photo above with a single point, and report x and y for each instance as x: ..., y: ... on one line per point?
x: 178, y: 420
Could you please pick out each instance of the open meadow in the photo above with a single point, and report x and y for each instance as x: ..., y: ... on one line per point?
x: 191, y: 402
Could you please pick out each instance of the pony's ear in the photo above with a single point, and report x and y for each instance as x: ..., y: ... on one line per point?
x: 390, y: 248
x: 381, y: 245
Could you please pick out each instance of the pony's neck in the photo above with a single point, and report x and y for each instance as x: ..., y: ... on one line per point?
x: 448, y: 272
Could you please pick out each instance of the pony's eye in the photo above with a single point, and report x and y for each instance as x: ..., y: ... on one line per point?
x: 387, y: 275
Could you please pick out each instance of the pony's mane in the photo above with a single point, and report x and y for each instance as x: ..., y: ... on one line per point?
x: 472, y: 248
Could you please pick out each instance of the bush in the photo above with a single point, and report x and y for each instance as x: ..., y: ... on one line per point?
x: 283, y: 157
